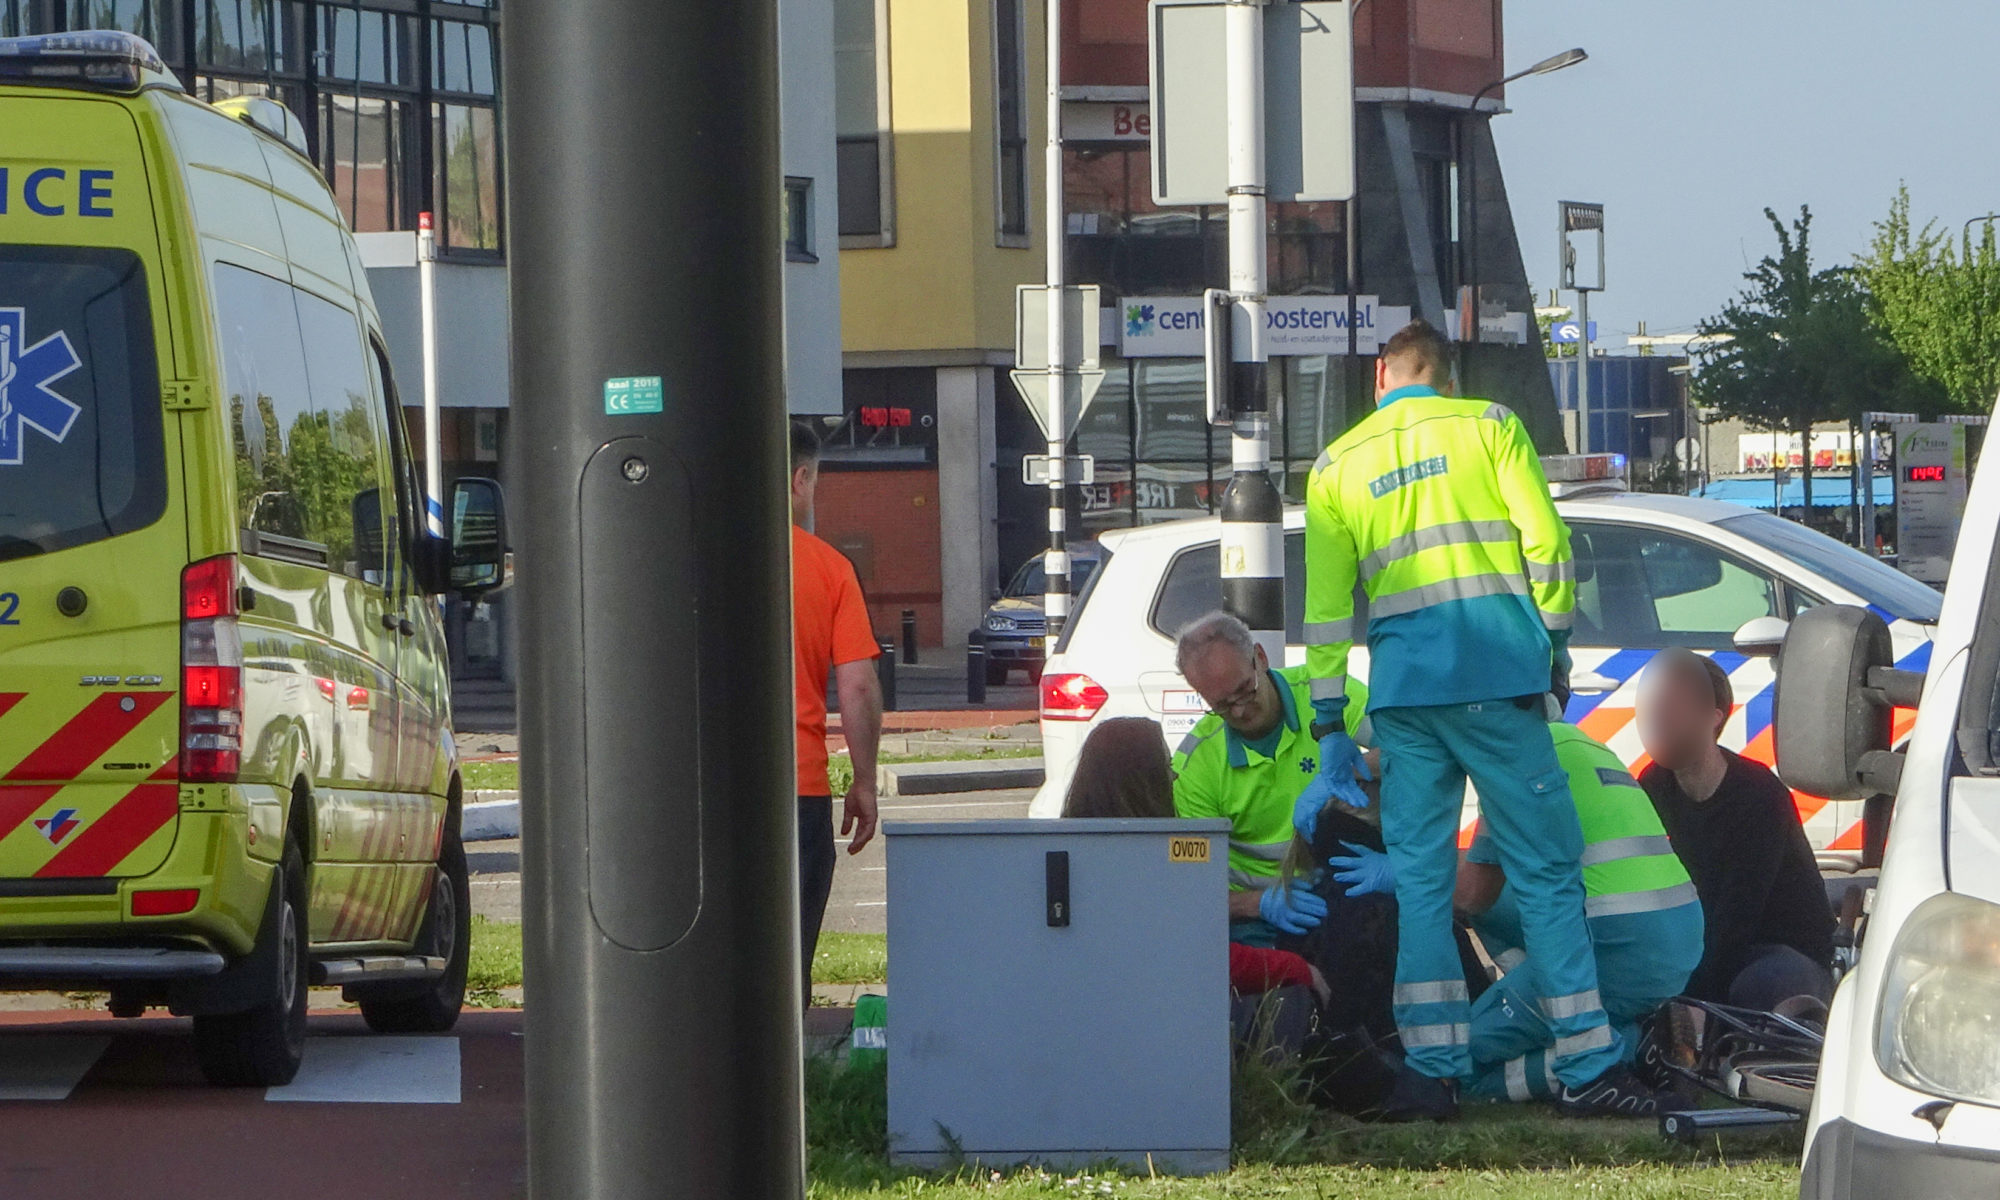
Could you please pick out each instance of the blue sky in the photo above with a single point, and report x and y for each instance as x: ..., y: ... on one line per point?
x: 1689, y: 118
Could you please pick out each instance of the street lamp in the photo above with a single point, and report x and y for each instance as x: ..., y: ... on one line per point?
x: 1554, y: 62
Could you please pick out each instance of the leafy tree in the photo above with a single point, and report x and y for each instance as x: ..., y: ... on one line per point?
x: 1939, y: 303
x: 1801, y: 346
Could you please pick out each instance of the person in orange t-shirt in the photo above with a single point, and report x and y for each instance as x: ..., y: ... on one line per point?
x: 829, y: 630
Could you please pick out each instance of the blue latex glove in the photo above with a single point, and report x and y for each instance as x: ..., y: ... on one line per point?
x: 1291, y: 908
x: 1365, y: 872
x: 1340, y: 761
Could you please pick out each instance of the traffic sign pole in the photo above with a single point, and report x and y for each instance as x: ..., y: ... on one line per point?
x: 1055, y: 563
x: 1252, y: 512
x: 659, y: 805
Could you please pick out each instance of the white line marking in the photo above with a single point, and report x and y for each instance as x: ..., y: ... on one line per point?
x: 47, y: 1068
x: 871, y: 904
x: 376, y: 1070
x: 871, y: 869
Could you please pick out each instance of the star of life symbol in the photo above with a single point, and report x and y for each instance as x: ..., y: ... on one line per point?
x: 26, y: 399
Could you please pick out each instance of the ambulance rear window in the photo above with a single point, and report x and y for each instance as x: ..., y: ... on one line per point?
x: 81, y: 456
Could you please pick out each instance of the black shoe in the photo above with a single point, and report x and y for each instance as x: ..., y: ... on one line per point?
x: 1418, y: 1097
x: 1616, y: 1093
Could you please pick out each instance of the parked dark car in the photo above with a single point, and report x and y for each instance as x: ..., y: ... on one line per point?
x: 1015, y: 627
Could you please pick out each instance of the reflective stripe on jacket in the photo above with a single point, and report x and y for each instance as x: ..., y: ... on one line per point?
x: 1437, y: 508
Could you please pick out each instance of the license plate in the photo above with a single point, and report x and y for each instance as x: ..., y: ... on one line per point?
x: 1040, y: 643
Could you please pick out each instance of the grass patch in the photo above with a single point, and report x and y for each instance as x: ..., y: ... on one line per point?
x: 504, y: 775
x: 1286, y: 1148
x: 496, y: 963
x: 851, y: 958
x: 496, y: 959
x: 499, y: 775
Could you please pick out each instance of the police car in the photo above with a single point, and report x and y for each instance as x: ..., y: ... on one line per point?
x: 226, y: 762
x: 1652, y: 571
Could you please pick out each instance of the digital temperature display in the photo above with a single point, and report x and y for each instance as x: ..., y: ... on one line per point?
x: 1924, y: 474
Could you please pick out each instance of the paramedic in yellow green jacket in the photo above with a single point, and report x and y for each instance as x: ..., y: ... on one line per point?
x: 1438, y: 509
x: 1246, y: 761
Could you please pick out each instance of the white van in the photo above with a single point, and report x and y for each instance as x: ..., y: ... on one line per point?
x: 1908, y: 1100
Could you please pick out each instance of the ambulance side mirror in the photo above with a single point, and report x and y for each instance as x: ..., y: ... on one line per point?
x: 1837, y: 692
x: 478, y: 516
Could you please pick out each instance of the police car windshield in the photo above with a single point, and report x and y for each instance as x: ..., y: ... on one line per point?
x: 81, y: 455
x: 1880, y: 585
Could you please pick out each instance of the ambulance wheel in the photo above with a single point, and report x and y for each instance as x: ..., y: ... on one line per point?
x: 264, y: 1046
x: 433, y: 1006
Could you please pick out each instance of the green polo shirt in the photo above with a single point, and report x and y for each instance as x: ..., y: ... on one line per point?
x: 1254, y: 786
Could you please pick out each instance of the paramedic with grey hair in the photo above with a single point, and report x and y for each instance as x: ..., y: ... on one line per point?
x: 1246, y: 762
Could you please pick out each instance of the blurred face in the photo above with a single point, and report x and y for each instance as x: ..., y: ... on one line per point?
x: 1236, y: 688
x: 1678, y: 719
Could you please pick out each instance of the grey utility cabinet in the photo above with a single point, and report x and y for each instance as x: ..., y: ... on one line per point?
x: 1061, y: 993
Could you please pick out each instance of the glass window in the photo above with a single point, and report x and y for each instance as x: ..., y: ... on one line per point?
x: 1010, y: 70
x: 338, y: 452
x: 858, y: 119
x: 1872, y: 580
x: 367, y: 47
x: 464, y: 57
x: 1192, y: 587
x: 250, y: 36
x: 1642, y: 589
x: 158, y: 21
x: 365, y: 145
x: 270, y: 408
x: 1173, y: 411
x: 81, y: 455
x: 466, y: 148
x: 799, y: 220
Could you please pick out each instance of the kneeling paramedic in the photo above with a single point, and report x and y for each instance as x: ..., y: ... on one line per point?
x: 1246, y: 762
x: 1645, y: 934
x: 1438, y: 508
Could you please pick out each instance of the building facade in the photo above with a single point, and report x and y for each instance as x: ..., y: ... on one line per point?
x: 401, y: 100
x: 941, y: 109
x: 940, y: 132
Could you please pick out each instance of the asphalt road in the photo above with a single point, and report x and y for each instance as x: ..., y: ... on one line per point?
x: 860, y: 882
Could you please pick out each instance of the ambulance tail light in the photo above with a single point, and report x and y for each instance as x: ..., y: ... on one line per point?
x: 211, y: 673
x: 1070, y: 697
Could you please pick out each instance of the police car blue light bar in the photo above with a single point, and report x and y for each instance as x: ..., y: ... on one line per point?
x: 110, y: 60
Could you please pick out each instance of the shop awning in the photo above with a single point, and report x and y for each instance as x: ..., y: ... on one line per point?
x: 1829, y: 491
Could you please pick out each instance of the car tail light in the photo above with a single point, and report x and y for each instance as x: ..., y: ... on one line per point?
x: 211, y: 673
x: 165, y: 902
x: 357, y: 697
x: 1071, y: 697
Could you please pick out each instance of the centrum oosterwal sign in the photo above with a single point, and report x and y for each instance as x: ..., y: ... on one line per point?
x: 1294, y: 326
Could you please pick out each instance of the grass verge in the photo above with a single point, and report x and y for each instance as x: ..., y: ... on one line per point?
x: 496, y: 963
x: 1285, y: 1147
x: 496, y: 960
x: 851, y: 958
x: 504, y: 775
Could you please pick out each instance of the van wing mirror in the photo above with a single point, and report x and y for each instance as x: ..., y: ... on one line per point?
x: 1836, y: 696
x: 478, y: 536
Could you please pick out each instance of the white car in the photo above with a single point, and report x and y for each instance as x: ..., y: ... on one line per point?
x: 1652, y: 571
x: 1908, y: 1095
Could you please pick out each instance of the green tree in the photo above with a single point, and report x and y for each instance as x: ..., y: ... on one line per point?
x: 1939, y: 303
x: 1799, y: 346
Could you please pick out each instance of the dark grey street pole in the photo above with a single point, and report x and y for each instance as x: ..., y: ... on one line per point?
x: 650, y: 507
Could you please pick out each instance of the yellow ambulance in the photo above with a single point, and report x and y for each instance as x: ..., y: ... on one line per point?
x: 226, y: 763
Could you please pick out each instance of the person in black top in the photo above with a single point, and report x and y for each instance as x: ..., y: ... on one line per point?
x: 1736, y: 829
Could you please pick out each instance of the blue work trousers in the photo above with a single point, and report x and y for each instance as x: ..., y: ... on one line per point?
x: 1643, y: 960
x: 1428, y: 754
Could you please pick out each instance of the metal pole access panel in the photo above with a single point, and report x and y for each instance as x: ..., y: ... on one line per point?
x: 650, y: 507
